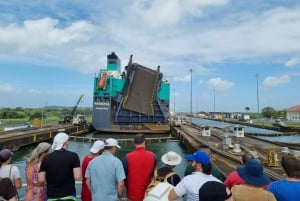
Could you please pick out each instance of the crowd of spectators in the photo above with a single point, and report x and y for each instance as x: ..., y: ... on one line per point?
x: 51, y: 175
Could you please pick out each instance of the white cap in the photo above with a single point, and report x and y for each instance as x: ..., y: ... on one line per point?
x: 111, y: 142
x: 171, y: 158
x: 59, y: 140
x: 97, y: 146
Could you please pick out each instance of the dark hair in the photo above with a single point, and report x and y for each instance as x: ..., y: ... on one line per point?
x: 213, y: 191
x: 291, y: 166
x: 206, y: 168
x: 139, y: 138
x: 247, y: 156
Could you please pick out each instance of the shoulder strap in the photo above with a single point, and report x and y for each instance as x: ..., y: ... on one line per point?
x: 168, y: 175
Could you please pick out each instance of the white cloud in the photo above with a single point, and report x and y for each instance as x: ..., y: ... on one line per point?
x: 156, y: 31
x: 168, y: 13
x: 183, y: 78
x: 6, y: 88
x: 220, y: 84
x: 34, y: 92
x: 272, y: 81
x: 35, y: 34
x: 292, y: 62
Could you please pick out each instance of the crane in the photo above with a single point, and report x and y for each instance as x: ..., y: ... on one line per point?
x: 68, y: 118
x: 75, y: 107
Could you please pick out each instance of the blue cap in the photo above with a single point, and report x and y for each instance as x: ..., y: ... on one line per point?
x: 200, y: 157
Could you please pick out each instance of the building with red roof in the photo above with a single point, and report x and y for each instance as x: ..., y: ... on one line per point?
x: 293, y: 113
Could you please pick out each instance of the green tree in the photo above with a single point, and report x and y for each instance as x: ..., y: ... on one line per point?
x: 247, y: 109
x: 269, y: 112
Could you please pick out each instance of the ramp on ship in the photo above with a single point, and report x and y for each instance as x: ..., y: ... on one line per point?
x: 142, y: 90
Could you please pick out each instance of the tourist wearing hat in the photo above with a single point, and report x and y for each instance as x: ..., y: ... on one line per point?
x: 34, y: 190
x: 215, y: 171
x: 95, y: 151
x: 287, y: 189
x: 105, y: 174
x: 7, y: 190
x: 139, y: 166
x: 191, y: 184
x: 234, y: 178
x: 8, y: 170
x: 60, y: 169
x: 171, y: 159
x: 255, y: 178
x: 214, y: 191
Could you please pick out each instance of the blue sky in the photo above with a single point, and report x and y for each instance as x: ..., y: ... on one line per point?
x: 50, y: 51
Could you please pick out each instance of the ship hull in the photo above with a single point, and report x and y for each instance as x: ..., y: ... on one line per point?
x: 133, y: 102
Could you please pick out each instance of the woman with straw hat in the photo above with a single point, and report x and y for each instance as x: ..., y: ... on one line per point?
x: 34, y: 190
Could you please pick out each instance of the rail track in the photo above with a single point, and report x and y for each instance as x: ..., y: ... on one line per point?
x: 225, y: 159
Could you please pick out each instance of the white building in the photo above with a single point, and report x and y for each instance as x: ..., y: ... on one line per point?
x: 293, y: 113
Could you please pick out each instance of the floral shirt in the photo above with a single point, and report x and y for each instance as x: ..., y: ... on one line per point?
x: 34, y: 191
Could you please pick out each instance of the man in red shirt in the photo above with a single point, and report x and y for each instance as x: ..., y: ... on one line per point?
x: 234, y: 178
x: 95, y: 151
x: 139, y: 166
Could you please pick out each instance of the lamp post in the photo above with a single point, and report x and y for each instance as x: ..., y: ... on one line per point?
x: 257, y: 95
x: 191, y: 105
x: 214, y: 104
x: 174, y: 101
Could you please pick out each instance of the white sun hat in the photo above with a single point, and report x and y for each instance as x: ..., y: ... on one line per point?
x: 171, y: 158
x: 97, y: 146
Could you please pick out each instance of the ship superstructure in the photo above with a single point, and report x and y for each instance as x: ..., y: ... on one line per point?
x: 137, y: 99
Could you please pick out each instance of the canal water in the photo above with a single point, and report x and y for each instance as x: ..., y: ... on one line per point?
x: 249, y: 129
x: 82, y: 149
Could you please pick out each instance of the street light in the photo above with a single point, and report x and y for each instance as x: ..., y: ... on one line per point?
x: 191, y: 105
x: 257, y: 95
x: 214, y: 104
x: 174, y: 101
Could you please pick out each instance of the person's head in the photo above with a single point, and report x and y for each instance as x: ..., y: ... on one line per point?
x: 171, y: 159
x: 205, y: 148
x: 139, y: 140
x: 40, y: 151
x: 97, y: 147
x: 253, y: 173
x: 5, y: 156
x: 111, y: 145
x: 291, y: 166
x: 247, y: 156
x: 60, y: 141
x: 200, y: 161
x: 214, y: 191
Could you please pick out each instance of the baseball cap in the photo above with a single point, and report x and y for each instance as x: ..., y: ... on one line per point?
x: 97, y: 146
x: 111, y: 142
x: 200, y: 157
x: 59, y: 140
x: 5, y: 154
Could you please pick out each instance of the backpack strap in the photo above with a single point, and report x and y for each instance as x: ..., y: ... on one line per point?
x: 168, y: 176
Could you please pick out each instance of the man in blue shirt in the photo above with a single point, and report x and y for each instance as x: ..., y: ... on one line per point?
x: 105, y: 174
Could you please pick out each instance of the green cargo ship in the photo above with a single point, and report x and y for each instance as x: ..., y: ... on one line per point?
x: 136, y: 100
